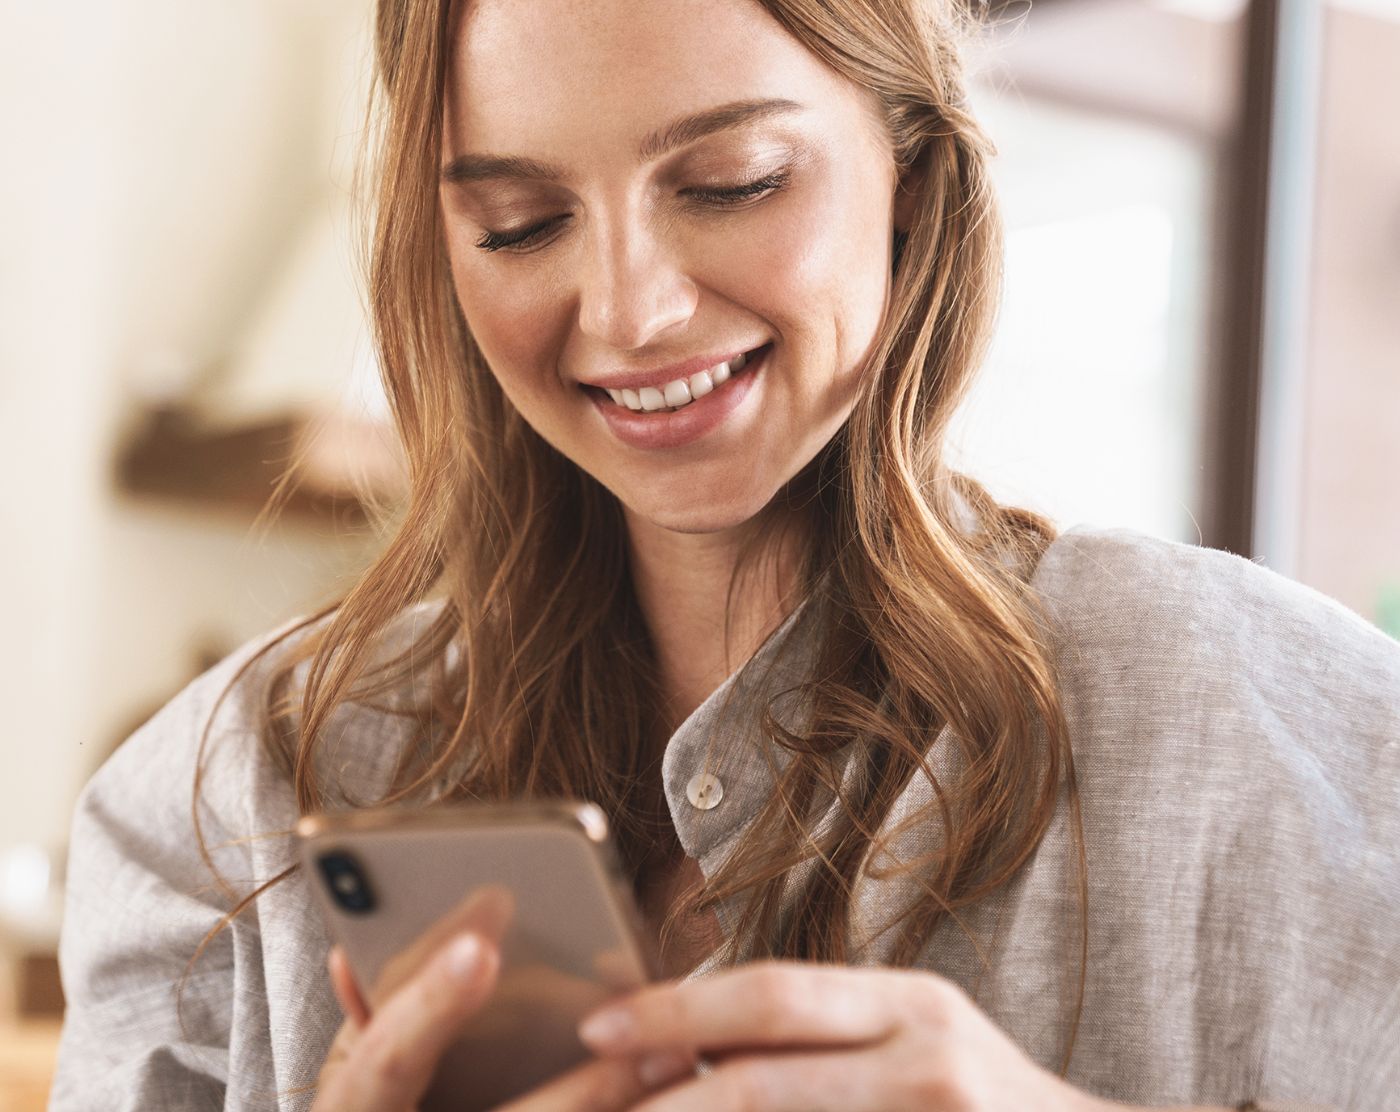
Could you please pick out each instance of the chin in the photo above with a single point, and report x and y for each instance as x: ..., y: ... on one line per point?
x: 701, y: 517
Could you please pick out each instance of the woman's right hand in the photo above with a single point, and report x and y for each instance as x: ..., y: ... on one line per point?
x: 384, y: 1056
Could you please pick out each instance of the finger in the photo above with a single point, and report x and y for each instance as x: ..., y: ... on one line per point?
x: 605, y: 1084
x: 486, y: 911
x: 347, y: 992
x: 395, y: 1057
x: 763, y: 1004
x: 792, y: 1082
x: 618, y: 970
x: 539, y: 988
x: 340, y: 1049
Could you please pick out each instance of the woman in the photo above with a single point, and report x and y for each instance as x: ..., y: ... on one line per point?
x: 674, y: 300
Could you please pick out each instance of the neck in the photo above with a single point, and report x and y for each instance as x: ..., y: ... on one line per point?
x: 701, y: 631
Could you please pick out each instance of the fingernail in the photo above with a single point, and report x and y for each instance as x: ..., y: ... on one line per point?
x: 462, y: 957
x: 663, y: 1066
x: 610, y: 1029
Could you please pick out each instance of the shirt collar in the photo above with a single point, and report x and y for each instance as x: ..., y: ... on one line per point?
x: 723, y: 738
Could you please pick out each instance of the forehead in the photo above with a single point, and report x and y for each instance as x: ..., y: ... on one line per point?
x: 595, y: 73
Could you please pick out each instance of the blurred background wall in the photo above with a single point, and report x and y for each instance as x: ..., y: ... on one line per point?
x: 1199, y: 338
x: 174, y: 239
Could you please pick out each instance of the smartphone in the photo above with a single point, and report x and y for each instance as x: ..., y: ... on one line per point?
x: 382, y: 877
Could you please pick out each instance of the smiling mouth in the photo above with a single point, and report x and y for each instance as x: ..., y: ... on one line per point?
x: 670, y: 397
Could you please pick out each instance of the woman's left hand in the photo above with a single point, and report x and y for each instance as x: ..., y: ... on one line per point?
x: 790, y: 1036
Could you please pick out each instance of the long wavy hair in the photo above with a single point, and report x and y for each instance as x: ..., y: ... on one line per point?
x: 537, y: 665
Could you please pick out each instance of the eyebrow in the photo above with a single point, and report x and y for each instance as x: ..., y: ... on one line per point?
x: 678, y: 133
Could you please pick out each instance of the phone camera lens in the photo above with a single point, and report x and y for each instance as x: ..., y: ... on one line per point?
x: 346, y: 881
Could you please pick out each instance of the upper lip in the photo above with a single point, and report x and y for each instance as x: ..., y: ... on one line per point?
x: 658, y: 376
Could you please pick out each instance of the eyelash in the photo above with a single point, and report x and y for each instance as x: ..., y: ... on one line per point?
x: 726, y: 196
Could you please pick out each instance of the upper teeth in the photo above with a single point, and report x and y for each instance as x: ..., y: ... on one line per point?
x: 679, y: 392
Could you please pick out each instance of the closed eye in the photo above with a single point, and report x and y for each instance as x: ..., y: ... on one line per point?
x: 498, y: 241
x: 736, y: 194
x: 721, y: 196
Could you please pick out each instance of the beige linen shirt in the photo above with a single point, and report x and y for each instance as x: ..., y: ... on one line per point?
x: 1237, y: 745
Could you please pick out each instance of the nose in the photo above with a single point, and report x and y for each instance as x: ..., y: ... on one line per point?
x: 630, y: 290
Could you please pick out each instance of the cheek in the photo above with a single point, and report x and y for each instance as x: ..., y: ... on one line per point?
x: 512, y: 319
x: 817, y: 271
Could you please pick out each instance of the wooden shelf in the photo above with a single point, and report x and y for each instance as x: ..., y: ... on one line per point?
x: 344, y: 464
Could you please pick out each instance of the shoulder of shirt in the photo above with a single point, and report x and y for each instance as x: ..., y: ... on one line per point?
x: 1196, y: 640
x: 215, y: 724
x: 1123, y: 585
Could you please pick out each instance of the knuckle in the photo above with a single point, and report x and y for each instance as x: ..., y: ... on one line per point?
x: 950, y: 993
x: 744, y: 1085
x: 774, y: 995
x: 336, y: 1056
x: 934, y: 1002
x: 386, y: 1057
x: 938, y: 1083
x: 932, y: 1089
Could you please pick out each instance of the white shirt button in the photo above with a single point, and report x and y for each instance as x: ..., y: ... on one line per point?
x: 704, y: 791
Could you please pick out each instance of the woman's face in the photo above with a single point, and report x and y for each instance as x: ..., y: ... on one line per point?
x: 644, y: 196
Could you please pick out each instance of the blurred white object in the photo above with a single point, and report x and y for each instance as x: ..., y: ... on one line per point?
x: 31, y: 897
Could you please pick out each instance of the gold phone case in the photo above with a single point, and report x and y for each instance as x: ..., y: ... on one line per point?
x: 576, y: 940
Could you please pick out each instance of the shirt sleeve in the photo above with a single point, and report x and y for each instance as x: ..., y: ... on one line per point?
x: 1242, y: 797
x: 147, y: 1024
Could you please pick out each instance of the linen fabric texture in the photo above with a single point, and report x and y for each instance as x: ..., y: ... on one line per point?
x: 1236, y: 742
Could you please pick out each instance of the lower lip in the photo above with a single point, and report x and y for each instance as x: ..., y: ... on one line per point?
x: 663, y: 429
